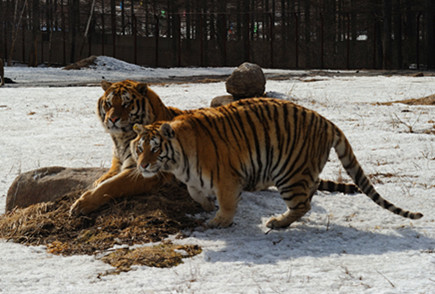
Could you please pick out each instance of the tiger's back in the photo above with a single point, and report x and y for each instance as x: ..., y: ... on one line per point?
x: 249, y: 146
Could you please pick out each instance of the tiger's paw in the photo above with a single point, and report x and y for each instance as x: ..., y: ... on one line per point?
x: 277, y: 223
x: 220, y: 221
x: 100, y: 180
x: 96, y: 183
x: 85, y: 204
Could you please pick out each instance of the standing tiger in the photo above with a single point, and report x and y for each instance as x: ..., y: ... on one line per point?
x: 123, y: 105
x: 250, y: 145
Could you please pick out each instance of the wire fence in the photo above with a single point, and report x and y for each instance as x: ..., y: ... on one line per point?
x: 277, y: 34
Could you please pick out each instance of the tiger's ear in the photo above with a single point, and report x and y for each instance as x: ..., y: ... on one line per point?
x: 105, y: 85
x: 138, y: 129
x: 142, y: 88
x: 166, y: 131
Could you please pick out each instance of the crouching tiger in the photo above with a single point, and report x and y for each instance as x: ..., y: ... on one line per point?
x: 250, y: 145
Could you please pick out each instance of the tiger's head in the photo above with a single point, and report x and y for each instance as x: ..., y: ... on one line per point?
x: 153, y: 149
x: 124, y: 104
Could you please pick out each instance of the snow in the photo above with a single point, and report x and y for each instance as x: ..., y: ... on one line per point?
x: 345, y: 244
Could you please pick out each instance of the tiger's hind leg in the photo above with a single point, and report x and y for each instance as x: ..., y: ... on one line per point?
x: 298, y: 200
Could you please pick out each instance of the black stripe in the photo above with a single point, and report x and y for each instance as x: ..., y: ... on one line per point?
x: 198, y: 122
x: 256, y: 144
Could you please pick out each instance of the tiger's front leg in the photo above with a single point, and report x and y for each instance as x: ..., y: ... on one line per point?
x: 227, y: 199
x: 206, y: 203
x: 126, y: 183
x: 115, y: 168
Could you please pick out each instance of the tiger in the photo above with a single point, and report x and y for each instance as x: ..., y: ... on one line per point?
x: 122, y: 105
x: 250, y: 145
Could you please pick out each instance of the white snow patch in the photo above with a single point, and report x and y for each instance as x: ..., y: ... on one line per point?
x: 345, y: 244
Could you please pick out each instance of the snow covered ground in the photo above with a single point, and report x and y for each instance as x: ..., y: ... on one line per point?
x: 346, y: 244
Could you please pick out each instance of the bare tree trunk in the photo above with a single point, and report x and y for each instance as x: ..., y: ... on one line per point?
x: 245, y: 29
x: 430, y: 33
x: 307, y: 31
x: 33, y: 61
x: 17, y: 24
x: 113, y: 20
x: 222, y: 30
x: 88, y: 24
x: 398, y: 33
x: 386, y: 40
x: 74, y: 26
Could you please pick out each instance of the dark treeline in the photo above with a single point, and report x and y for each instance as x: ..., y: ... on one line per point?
x: 388, y: 34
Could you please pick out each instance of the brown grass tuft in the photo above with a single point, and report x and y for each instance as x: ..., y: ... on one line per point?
x: 136, y: 220
x: 428, y: 100
x: 163, y: 255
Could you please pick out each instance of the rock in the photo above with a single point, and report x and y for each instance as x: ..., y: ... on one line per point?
x: 48, y: 183
x: 246, y: 81
x: 221, y: 100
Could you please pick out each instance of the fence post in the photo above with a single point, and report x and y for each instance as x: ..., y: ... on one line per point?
x: 23, y: 40
x: 103, y: 29
x: 417, y: 43
x: 296, y: 40
x: 178, y: 20
x: 134, y: 31
x: 374, y: 44
x: 322, y: 41
x: 113, y: 20
x: 272, y: 23
x: 201, y: 39
x: 245, y: 36
x: 156, y: 34
x: 348, y: 42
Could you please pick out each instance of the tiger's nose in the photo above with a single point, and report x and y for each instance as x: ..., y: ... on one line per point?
x: 114, y: 119
x: 144, y: 165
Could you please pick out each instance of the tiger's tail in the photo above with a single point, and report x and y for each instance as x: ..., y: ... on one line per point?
x: 331, y: 186
x: 350, y: 163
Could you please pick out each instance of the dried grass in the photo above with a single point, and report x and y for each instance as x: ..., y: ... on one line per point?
x: 136, y: 220
x: 428, y: 100
x: 163, y: 255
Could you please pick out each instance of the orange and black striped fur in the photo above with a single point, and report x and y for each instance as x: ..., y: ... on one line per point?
x: 122, y: 105
x: 250, y: 145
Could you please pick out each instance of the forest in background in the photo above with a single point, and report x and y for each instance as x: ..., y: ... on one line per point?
x: 342, y: 34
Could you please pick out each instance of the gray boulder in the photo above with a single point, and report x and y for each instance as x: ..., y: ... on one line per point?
x: 49, y: 183
x: 246, y: 81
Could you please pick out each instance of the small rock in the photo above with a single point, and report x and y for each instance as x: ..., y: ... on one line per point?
x: 246, y: 81
x: 419, y: 74
x: 48, y: 183
x: 221, y: 100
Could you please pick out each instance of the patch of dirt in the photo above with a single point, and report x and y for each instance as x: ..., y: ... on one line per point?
x: 428, y: 100
x: 135, y: 220
x: 83, y: 63
x: 163, y: 255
